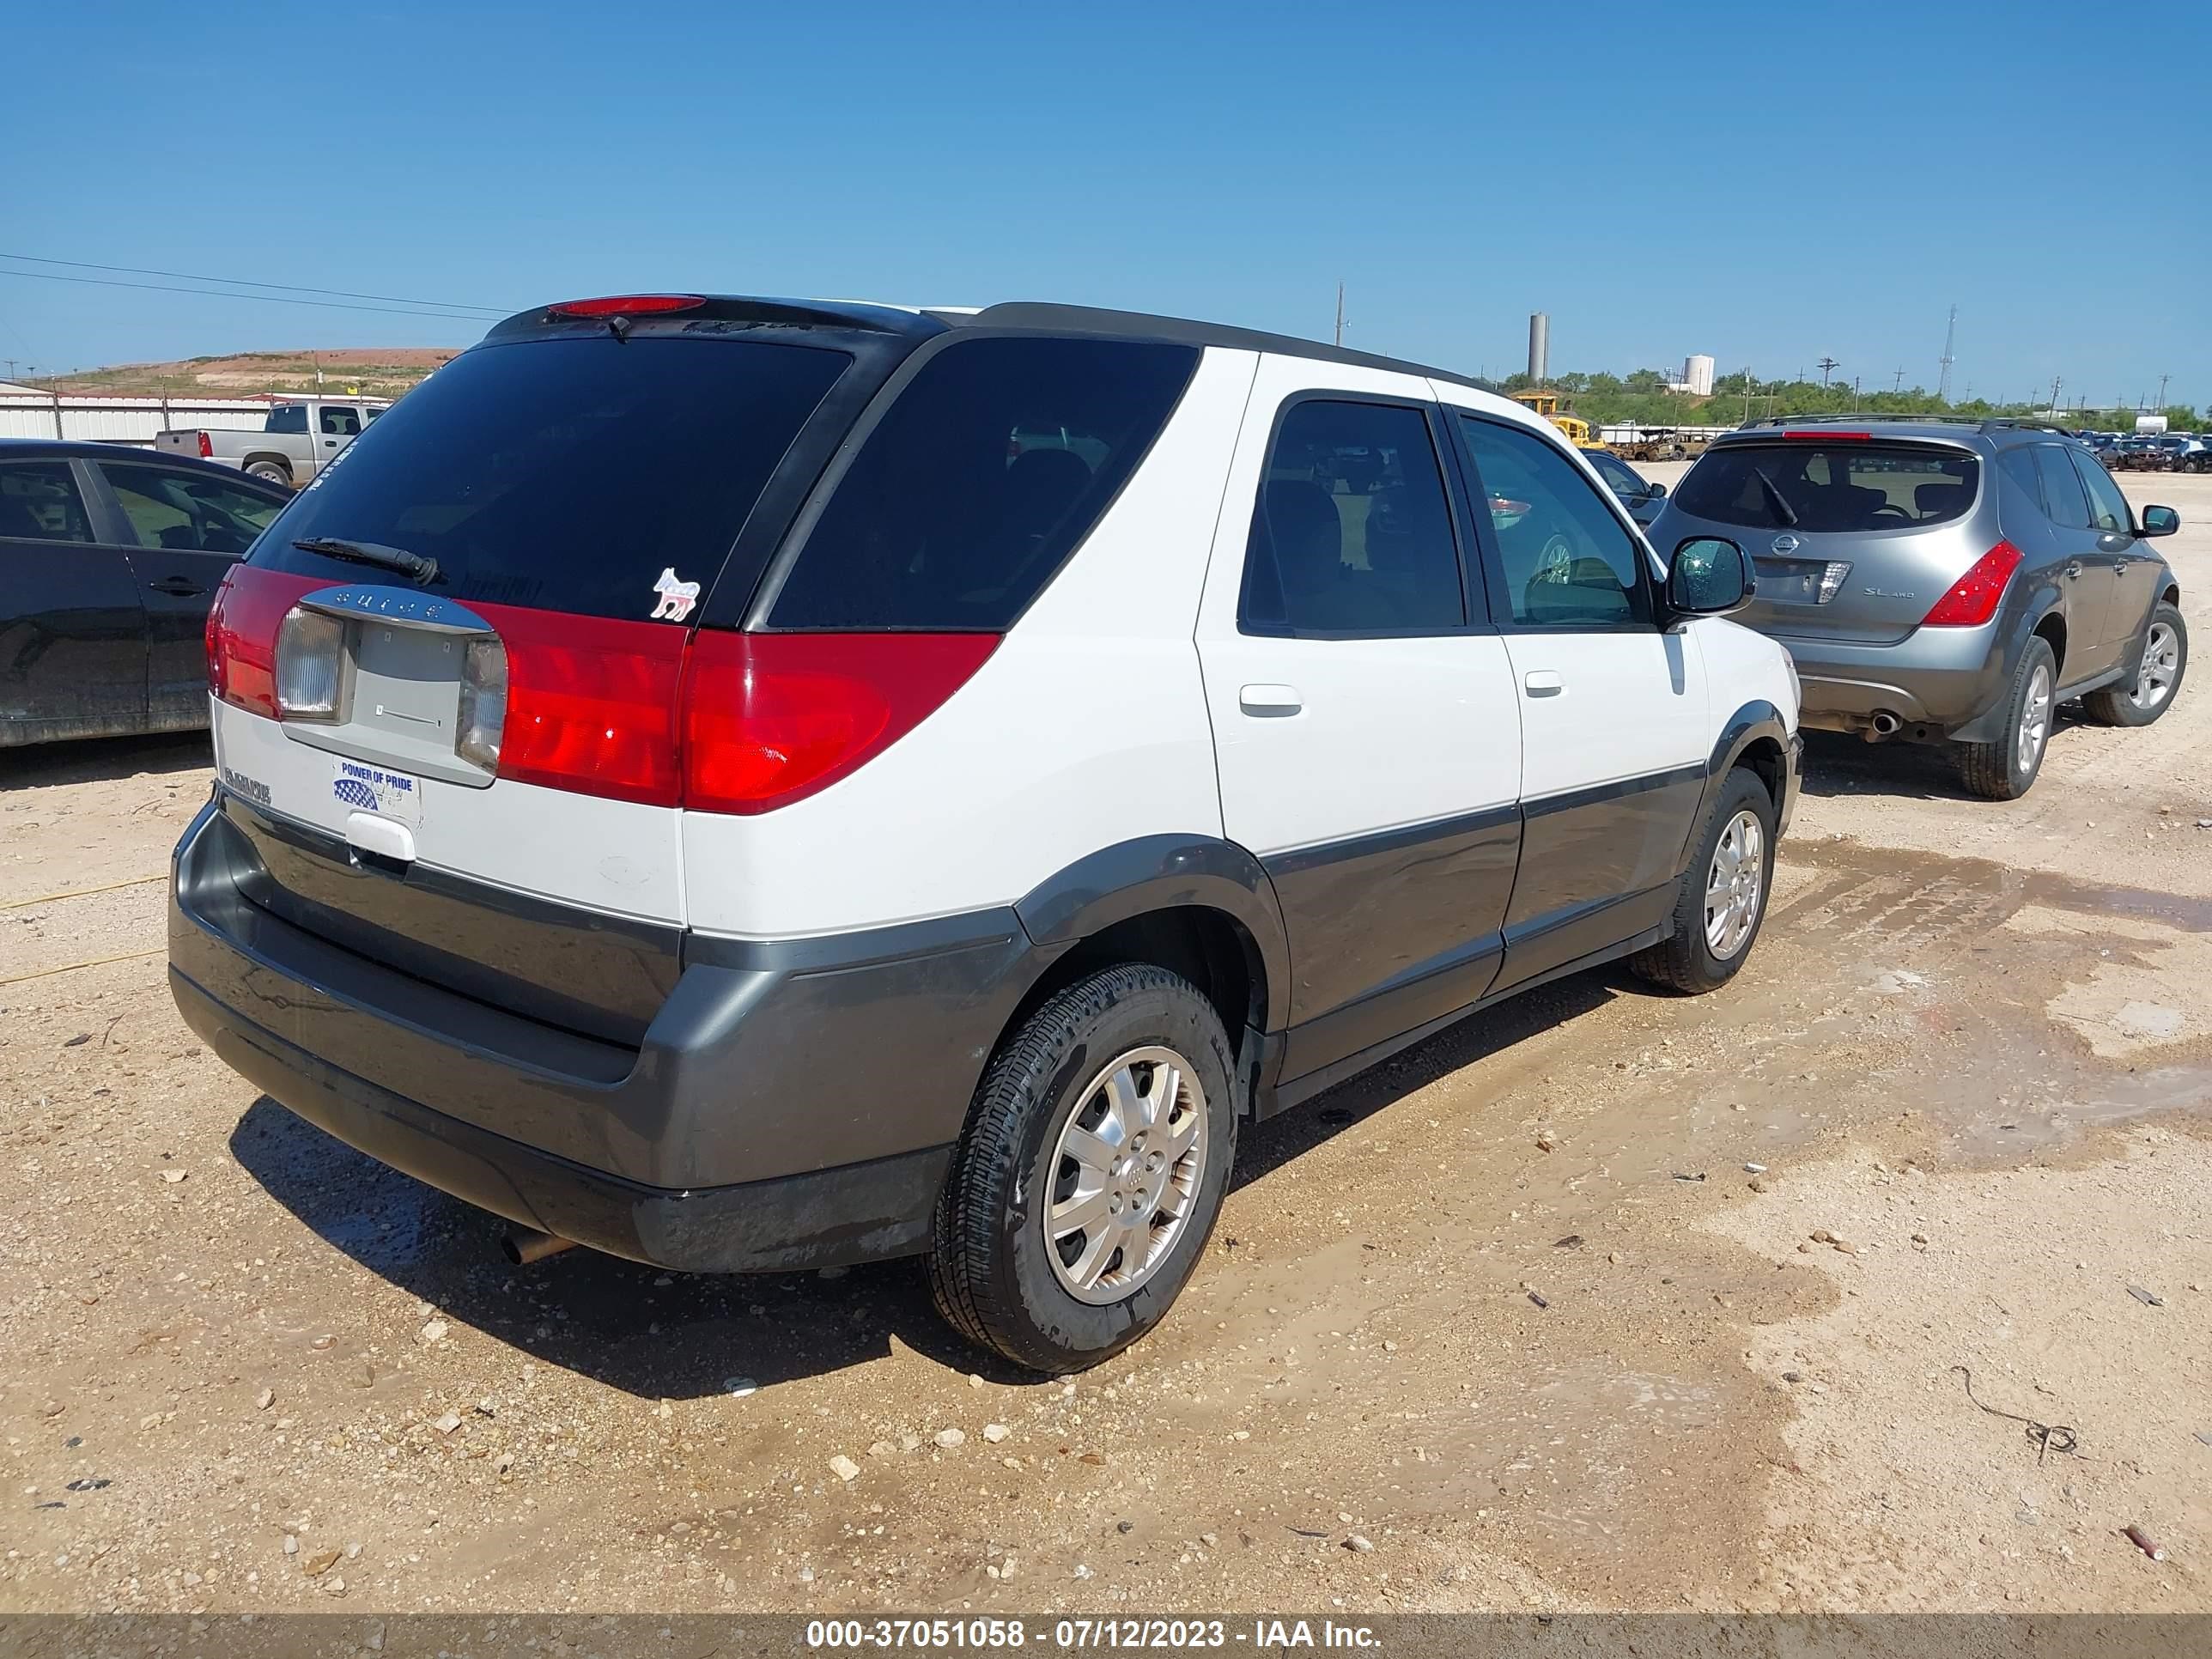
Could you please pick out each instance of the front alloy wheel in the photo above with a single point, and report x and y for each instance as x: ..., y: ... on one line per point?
x: 1735, y: 885
x: 2161, y: 668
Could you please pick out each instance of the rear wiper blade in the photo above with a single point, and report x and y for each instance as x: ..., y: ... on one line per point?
x: 416, y: 567
x: 1782, y: 510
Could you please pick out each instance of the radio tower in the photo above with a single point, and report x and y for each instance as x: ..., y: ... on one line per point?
x: 1943, y: 381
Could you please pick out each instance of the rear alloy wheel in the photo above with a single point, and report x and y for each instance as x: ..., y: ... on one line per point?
x: 269, y: 472
x: 1092, y: 1167
x: 2158, y: 679
x: 1722, y: 899
x: 2005, y: 769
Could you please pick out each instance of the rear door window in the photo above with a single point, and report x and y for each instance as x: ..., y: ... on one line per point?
x: 567, y: 474
x: 39, y: 502
x: 2063, y: 497
x: 985, y: 472
x: 2019, y: 466
x: 1352, y: 532
x: 2108, y: 508
x: 1816, y: 487
x: 183, y: 511
x: 293, y: 417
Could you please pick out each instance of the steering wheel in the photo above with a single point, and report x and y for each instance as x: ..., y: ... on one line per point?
x: 1892, y: 507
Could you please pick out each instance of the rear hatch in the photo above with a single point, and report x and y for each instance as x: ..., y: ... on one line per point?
x: 447, y: 678
x: 1853, y: 539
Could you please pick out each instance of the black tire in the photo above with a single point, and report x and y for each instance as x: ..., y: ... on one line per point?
x: 988, y: 1264
x: 1686, y: 960
x: 1995, y: 771
x: 269, y: 472
x: 2115, y: 705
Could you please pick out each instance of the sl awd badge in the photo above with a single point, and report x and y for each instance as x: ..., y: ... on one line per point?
x: 677, y: 598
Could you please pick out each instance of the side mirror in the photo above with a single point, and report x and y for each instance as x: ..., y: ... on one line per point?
x: 2159, y: 521
x: 1655, y: 492
x: 1709, y: 577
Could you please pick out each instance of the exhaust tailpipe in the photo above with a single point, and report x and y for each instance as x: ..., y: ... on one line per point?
x: 522, y: 1246
x: 1886, y: 725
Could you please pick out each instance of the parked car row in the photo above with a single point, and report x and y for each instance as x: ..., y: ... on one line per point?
x: 744, y: 785
x: 2149, y: 452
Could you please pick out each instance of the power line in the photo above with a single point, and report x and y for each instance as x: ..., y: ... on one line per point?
x: 244, y: 281
x: 218, y: 294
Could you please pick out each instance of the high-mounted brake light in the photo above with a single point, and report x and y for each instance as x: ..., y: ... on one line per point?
x: 207, y: 447
x: 627, y: 305
x: 1972, y: 600
x: 1845, y: 437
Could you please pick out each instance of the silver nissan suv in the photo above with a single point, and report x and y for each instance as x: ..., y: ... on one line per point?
x: 1944, y: 580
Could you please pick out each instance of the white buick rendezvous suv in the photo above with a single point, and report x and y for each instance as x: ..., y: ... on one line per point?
x: 748, y: 785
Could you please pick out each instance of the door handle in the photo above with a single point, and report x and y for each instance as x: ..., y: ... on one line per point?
x: 2073, y: 566
x: 1270, y: 702
x: 182, y: 587
x: 330, y: 443
x: 1543, y: 683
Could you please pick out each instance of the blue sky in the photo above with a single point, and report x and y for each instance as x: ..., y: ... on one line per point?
x: 1765, y: 183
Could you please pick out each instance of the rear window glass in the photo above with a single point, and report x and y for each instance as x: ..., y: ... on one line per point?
x: 567, y: 474
x: 292, y: 417
x: 1810, y: 486
x: 993, y: 465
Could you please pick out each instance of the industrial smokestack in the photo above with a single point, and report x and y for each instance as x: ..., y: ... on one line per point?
x: 1540, y: 347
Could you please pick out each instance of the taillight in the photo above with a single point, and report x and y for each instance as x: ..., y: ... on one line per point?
x: 1972, y: 600
x: 242, y: 625
x: 207, y: 447
x: 588, y: 704
x: 1824, y: 436
x: 769, y: 719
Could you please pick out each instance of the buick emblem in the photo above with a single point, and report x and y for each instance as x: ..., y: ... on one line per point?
x: 1786, y: 544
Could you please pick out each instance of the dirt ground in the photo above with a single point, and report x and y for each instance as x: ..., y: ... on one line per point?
x: 250, y: 1369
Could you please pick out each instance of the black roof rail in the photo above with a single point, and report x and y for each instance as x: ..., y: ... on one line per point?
x: 1860, y: 417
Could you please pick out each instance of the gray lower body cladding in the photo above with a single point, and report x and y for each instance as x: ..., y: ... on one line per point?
x: 789, y: 1105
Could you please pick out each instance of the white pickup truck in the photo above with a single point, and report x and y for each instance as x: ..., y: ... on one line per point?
x: 302, y: 436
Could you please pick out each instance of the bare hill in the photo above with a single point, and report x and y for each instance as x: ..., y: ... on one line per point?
x: 380, y: 371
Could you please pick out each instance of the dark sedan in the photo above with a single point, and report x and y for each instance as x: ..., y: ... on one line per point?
x: 109, y: 559
x: 1637, y: 493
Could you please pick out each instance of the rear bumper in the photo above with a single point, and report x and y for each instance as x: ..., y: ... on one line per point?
x: 1939, y: 678
x: 835, y: 1217
x: 791, y: 1103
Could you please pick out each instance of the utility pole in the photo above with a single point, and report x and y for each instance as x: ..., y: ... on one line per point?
x: 1950, y: 334
x: 2055, y: 382
x: 2162, y: 379
x: 1340, y: 314
x: 1827, y: 366
x: 1747, y: 394
x: 1898, y: 385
